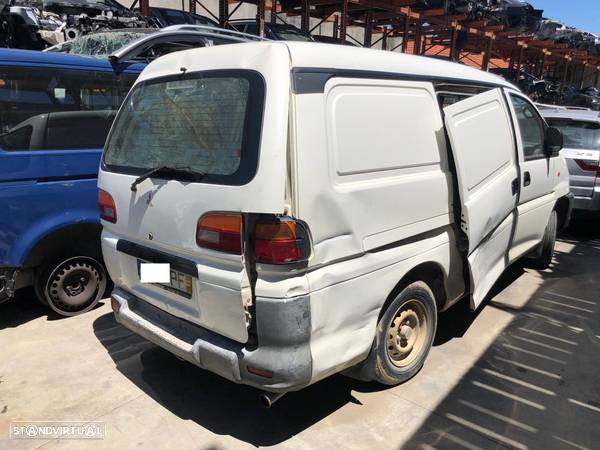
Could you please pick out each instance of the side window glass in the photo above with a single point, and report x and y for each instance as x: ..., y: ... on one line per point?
x: 531, y: 127
x: 54, y: 109
x: 251, y: 28
x: 447, y: 99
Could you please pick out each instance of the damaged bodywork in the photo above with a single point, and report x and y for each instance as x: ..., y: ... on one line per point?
x: 515, y: 15
x: 582, y: 40
x: 8, y: 276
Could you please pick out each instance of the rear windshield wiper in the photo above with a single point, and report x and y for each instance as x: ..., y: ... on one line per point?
x: 183, y: 172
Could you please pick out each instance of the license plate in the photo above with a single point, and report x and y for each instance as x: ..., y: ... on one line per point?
x: 179, y: 282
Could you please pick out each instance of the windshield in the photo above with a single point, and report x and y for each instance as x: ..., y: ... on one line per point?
x: 578, y: 134
x: 290, y: 34
x: 207, y: 121
x: 103, y: 44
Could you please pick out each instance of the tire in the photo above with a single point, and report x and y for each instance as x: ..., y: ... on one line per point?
x: 71, y: 285
x: 542, y: 256
x: 404, y: 336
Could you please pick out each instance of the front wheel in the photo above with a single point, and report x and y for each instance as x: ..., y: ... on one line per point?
x: 405, y: 335
x: 71, y: 285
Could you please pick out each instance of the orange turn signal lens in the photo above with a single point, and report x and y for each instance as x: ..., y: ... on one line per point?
x: 220, y: 231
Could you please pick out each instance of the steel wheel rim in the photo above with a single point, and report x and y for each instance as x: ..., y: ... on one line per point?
x: 75, y: 285
x: 407, y: 333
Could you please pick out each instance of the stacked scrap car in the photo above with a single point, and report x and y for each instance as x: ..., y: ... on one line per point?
x: 35, y: 26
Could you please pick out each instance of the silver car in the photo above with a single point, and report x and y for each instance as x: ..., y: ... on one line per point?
x: 581, y: 132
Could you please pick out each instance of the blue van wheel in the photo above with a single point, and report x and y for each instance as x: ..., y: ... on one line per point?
x: 72, y: 286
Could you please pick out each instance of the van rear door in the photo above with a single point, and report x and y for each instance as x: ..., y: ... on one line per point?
x: 484, y: 154
x: 216, y: 118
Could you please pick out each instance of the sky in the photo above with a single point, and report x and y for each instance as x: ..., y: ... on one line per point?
x: 582, y: 14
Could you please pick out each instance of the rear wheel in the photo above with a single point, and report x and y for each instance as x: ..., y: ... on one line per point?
x: 405, y: 334
x: 542, y: 257
x: 71, y: 285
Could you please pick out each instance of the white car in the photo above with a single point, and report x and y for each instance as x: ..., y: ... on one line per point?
x: 277, y: 212
x: 581, y: 131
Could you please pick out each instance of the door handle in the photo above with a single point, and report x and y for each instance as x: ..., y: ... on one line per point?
x: 526, y: 179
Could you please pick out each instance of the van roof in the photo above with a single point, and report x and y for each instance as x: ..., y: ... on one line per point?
x: 317, y: 55
x: 29, y: 57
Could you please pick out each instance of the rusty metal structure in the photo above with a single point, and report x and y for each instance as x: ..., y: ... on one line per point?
x: 427, y: 31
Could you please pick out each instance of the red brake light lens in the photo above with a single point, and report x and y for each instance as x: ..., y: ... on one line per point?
x: 220, y: 231
x: 106, y: 204
x: 588, y: 167
x: 280, y: 241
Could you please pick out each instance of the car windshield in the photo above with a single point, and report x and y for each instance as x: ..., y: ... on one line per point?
x: 578, y: 134
x: 199, y: 20
x: 174, y: 17
x: 290, y: 34
x: 103, y: 44
x: 208, y: 122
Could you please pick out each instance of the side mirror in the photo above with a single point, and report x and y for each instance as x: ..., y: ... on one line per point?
x: 553, y: 142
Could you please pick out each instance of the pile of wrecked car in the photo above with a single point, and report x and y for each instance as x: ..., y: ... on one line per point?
x: 38, y: 24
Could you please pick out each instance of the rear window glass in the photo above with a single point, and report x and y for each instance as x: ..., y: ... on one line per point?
x: 578, y: 134
x: 208, y: 122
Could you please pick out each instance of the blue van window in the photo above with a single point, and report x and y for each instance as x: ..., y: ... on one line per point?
x: 58, y: 109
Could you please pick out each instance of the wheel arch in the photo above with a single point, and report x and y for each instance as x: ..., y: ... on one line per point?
x: 562, y: 208
x: 432, y: 274
x: 85, y: 237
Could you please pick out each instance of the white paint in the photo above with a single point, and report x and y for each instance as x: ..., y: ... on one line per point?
x: 555, y: 322
x: 538, y: 333
x: 529, y: 352
x: 519, y: 382
x: 365, y: 165
x: 572, y: 444
x: 585, y: 405
x: 516, y: 398
x: 541, y: 344
x: 528, y: 367
x: 393, y: 141
x: 564, y: 305
x: 495, y: 415
x: 571, y: 297
x: 486, y: 432
x: 482, y: 144
x: 460, y: 441
x: 536, y: 199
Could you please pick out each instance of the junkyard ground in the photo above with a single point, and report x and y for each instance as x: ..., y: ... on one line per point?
x: 523, y: 372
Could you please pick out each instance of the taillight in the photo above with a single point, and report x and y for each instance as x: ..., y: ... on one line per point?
x: 588, y: 167
x: 220, y: 231
x: 115, y: 304
x: 106, y: 204
x: 280, y: 241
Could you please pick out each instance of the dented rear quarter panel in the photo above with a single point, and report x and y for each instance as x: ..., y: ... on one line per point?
x: 367, y: 234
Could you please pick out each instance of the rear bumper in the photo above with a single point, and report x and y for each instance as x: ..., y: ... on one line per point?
x: 283, y: 330
x: 591, y: 204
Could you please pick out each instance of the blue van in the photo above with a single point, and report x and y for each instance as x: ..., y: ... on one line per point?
x: 55, y: 112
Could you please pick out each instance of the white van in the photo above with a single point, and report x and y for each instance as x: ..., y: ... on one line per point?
x: 318, y: 205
